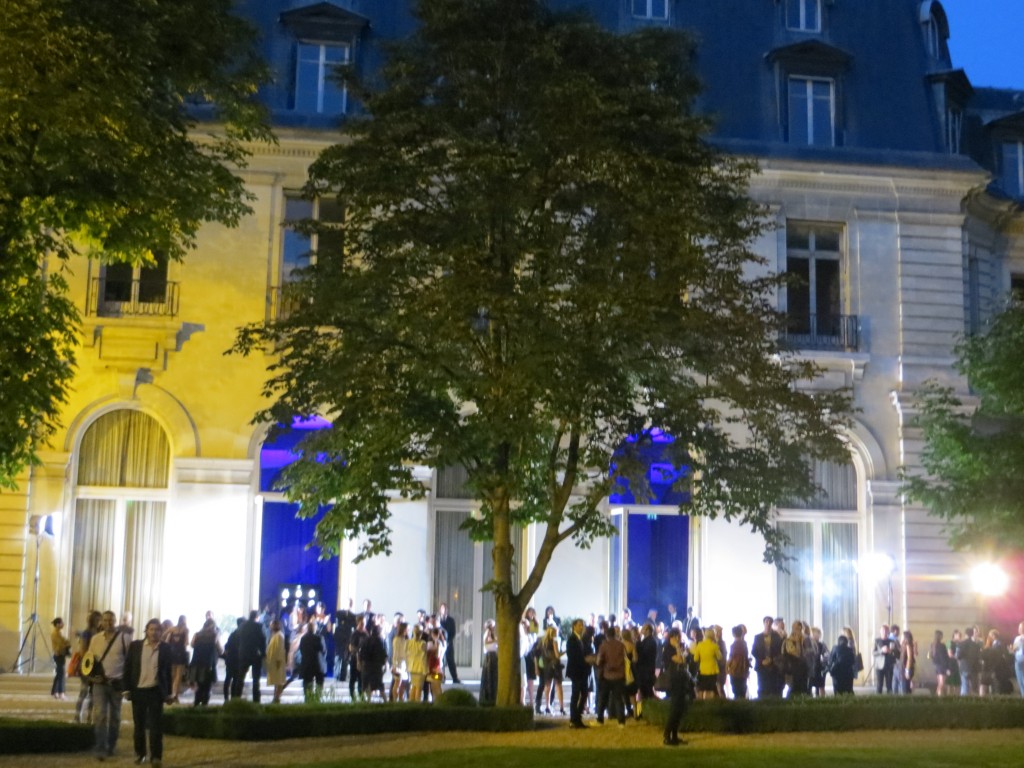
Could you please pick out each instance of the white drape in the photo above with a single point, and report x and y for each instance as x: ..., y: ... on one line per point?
x: 91, y: 570
x: 124, y: 449
x: 453, y: 575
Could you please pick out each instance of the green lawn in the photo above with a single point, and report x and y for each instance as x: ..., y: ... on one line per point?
x: 936, y: 749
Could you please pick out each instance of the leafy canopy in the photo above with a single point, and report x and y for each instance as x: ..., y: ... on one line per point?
x: 99, y: 155
x: 973, y: 457
x: 542, y: 257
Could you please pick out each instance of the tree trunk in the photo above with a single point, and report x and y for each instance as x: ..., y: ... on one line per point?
x: 509, y: 676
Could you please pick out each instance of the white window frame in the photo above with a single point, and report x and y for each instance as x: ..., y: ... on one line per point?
x: 807, y: 83
x: 323, y: 71
x: 648, y: 13
x: 801, y: 24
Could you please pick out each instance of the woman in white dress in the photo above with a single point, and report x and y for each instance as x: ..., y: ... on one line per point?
x: 277, y: 657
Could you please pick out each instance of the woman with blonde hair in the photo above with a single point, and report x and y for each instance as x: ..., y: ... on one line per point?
x: 551, y: 655
x: 416, y: 662
x: 794, y: 665
x: 277, y: 658
x: 709, y: 660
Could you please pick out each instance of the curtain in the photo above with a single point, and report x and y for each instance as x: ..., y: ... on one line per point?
x: 125, y: 448
x: 453, y: 576
x: 839, y: 579
x: 796, y: 588
x: 143, y: 559
x: 838, y: 483
x: 121, y: 449
x: 93, y: 559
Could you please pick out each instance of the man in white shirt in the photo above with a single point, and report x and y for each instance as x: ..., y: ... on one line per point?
x: 109, y: 647
x: 148, y: 678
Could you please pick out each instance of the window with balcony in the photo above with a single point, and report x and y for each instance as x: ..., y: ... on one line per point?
x: 124, y: 290
x: 814, y: 295
x: 301, y: 240
x: 650, y: 9
x: 803, y: 15
x: 812, y: 111
x: 1011, y: 168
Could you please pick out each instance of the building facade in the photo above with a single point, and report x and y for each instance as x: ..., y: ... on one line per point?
x: 896, y: 186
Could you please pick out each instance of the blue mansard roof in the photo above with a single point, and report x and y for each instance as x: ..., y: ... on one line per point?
x: 894, y: 87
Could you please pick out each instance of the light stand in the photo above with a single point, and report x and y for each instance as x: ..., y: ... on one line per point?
x: 33, y: 630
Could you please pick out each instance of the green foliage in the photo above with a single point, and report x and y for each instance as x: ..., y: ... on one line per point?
x: 457, y: 697
x: 542, y: 257
x: 276, y: 721
x: 844, y: 713
x: 973, y: 456
x: 99, y: 155
x: 19, y: 737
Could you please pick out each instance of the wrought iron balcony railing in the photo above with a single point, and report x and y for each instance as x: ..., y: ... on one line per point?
x: 132, y: 298
x: 822, y: 332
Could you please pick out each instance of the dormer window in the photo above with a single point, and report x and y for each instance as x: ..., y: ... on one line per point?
x: 1011, y: 170
x: 317, y: 88
x: 935, y: 28
x: 650, y: 9
x: 326, y: 37
x: 803, y: 15
x: 812, y: 111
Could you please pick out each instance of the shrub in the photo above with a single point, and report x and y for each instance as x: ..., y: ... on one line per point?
x: 276, y: 721
x: 457, y: 697
x: 844, y: 713
x: 19, y: 737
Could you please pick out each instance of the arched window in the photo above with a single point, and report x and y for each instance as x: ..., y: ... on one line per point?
x: 820, y: 582
x: 935, y: 27
x: 120, y: 503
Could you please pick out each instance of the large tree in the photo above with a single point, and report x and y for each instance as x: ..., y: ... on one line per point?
x: 973, y: 457
x: 100, y: 154
x: 543, y: 262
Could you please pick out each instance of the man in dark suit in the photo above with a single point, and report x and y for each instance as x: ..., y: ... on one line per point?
x: 344, y: 626
x: 766, y: 650
x: 148, y: 683
x: 252, y: 648
x: 448, y: 625
x: 577, y: 669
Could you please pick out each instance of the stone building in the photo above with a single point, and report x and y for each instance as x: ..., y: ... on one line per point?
x: 896, y: 185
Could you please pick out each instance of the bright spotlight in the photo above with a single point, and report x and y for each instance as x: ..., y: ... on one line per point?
x: 311, y: 593
x: 879, y: 566
x: 989, y: 579
x: 285, y: 594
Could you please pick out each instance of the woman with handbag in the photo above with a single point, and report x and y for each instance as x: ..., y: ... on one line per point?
x: 60, y: 646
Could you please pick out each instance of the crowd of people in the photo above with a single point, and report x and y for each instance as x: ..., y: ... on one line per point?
x: 614, y: 664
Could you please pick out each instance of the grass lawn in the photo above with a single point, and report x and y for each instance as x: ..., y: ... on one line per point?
x: 931, y: 749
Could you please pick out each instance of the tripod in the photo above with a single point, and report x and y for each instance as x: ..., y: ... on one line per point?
x: 33, y: 630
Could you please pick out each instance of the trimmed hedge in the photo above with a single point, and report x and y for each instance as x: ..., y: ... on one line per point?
x: 245, y: 721
x: 21, y: 737
x: 845, y: 713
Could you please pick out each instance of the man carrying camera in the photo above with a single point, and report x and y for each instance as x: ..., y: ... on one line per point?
x: 109, y: 649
